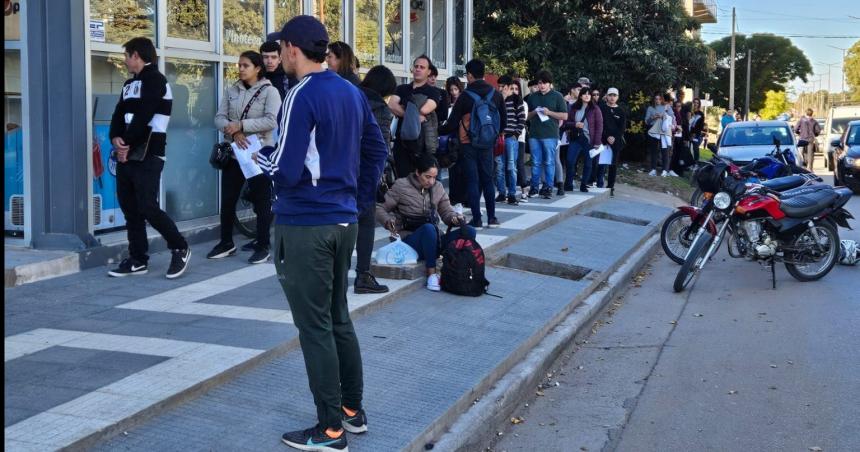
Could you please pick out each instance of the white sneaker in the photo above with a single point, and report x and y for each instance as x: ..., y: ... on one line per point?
x: 433, y: 283
x: 673, y: 174
x: 665, y: 174
x: 653, y: 173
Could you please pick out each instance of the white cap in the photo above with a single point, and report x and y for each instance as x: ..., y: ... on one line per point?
x: 612, y: 91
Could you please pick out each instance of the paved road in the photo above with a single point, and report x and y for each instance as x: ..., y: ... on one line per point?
x: 730, y: 365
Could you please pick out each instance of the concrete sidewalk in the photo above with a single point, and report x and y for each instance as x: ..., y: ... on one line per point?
x: 88, y: 357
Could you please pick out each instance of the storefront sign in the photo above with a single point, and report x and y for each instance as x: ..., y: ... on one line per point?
x: 12, y: 21
x: 97, y: 30
x: 245, y: 39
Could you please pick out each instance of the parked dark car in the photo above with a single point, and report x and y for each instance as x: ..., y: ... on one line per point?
x: 848, y: 157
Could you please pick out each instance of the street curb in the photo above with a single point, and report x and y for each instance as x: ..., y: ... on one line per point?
x: 471, y: 429
x: 293, y: 344
x: 40, y: 271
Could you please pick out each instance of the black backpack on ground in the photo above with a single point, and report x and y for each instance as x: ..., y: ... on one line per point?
x: 463, y: 268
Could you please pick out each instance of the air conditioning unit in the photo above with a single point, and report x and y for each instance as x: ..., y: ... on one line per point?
x: 16, y: 207
x: 16, y: 212
x: 97, y: 210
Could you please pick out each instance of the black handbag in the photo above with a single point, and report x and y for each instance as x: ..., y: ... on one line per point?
x: 221, y: 155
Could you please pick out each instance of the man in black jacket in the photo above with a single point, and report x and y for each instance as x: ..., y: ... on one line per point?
x: 477, y: 163
x: 138, y: 132
x: 271, y: 52
x: 614, y: 127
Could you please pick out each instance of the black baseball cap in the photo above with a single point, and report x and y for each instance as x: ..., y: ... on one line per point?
x: 305, y: 32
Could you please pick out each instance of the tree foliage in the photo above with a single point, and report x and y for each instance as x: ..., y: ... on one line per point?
x: 852, y: 70
x: 635, y: 45
x: 775, y: 103
x: 775, y: 62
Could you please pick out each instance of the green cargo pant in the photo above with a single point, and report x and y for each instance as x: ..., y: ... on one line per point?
x: 312, y: 264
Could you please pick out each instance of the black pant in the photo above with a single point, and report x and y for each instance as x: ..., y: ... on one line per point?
x: 457, y: 182
x: 313, y: 265
x: 260, y: 186
x: 658, y: 152
x: 364, y: 243
x: 523, y: 178
x: 478, y: 166
x: 137, y: 185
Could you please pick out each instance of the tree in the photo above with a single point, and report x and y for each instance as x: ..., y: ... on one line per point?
x: 775, y: 103
x: 775, y: 62
x: 852, y: 70
x: 636, y: 45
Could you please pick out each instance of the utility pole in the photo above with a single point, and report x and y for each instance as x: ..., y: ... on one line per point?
x: 843, y: 66
x: 732, y: 68
x: 749, y: 69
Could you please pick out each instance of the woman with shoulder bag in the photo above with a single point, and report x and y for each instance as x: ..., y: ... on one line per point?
x: 585, y: 126
x: 378, y: 84
x: 249, y: 107
x: 413, y: 208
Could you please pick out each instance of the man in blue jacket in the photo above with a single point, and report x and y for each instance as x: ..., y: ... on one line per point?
x: 325, y: 168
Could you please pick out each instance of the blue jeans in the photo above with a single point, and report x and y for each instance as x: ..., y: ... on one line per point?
x: 506, y: 168
x: 543, y: 161
x: 478, y: 169
x: 424, y: 240
x: 578, y: 147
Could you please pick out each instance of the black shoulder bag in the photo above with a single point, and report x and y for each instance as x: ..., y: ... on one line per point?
x: 222, y: 152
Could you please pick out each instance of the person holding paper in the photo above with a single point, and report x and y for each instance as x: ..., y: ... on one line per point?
x: 585, y: 127
x: 544, y: 104
x: 248, y: 108
x: 614, y: 127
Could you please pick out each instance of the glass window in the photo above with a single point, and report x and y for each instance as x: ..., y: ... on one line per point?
x: 117, y: 21
x: 460, y: 36
x: 188, y: 19
x: 286, y: 10
x: 418, y: 27
x: 244, y: 25
x: 330, y: 12
x: 12, y: 21
x: 440, y: 14
x: 231, y: 73
x: 190, y: 184
x: 13, y: 144
x: 108, y: 75
x: 367, y: 32
x: 393, y: 32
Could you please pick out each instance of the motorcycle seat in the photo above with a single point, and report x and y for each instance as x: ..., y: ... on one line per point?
x: 804, y: 190
x: 784, y: 183
x: 844, y: 195
x: 808, y: 204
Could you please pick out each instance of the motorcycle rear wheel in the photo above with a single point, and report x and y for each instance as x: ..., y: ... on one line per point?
x: 688, y: 269
x: 830, y: 237
x: 672, y: 236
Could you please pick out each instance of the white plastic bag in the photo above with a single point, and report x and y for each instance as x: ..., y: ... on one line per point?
x: 396, y: 253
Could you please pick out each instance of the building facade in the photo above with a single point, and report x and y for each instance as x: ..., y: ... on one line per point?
x: 64, y: 71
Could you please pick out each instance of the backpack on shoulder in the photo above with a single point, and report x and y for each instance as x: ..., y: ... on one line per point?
x: 463, y: 267
x: 484, y: 121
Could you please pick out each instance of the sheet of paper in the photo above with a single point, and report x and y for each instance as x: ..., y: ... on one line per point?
x: 605, y: 156
x: 543, y: 117
x: 243, y: 156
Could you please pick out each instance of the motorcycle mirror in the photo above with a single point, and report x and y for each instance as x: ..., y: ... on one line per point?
x: 776, y: 141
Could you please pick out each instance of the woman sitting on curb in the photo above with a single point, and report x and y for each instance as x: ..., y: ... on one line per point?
x: 413, y: 208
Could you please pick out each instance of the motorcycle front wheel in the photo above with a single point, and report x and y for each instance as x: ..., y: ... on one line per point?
x: 676, y: 236
x: 689, y: 268
x: 809, y: 259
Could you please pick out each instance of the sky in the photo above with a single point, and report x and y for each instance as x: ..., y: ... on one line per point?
x: 808, y: 18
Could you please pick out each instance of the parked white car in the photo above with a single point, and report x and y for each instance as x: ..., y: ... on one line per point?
x: 743, y: 141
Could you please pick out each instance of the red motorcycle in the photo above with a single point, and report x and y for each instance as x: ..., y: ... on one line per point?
x: 800, y: 231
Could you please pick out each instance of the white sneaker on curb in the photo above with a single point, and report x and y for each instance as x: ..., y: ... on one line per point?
x: 665, y: 173
x: 653, y: 173
x: 433, y: 283
x: 673, y: 174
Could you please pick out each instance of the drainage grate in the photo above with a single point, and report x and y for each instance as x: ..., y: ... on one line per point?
x: 544, y: 267
x: 618, y: 218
